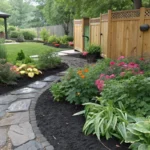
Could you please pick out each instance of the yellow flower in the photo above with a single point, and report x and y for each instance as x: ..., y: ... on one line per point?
x: 78, y: 93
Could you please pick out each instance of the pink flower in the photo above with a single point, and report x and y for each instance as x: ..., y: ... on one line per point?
x: 101, y: 76
x: 121, y: 57
x: 141, y: 72
x: 107, y: 77
x: 112, y: 76
x: 84, y: 53
x: 112, y: 63
x: 122, y: 74
x: 122, y: 64
x: 99, y: 84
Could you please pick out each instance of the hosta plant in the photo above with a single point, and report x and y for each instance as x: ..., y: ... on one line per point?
x: 139, y: 135
x: 104, y: 120
x: 28, y: 70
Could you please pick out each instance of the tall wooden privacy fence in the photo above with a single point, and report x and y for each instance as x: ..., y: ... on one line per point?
x: 118, y: 33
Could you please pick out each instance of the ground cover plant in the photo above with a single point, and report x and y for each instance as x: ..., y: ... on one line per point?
x: 120, y: 99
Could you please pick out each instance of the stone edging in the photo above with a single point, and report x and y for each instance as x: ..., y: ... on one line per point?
x: 39, y: 136
x: 18, y: 126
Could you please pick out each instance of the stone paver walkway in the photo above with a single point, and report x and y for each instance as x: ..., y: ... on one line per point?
x: 18, y: 127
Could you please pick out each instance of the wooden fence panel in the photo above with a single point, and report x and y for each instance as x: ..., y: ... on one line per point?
x: 78, y: 39
x: 95, y: 31
x: 104, y: 33
x: 146, y: 35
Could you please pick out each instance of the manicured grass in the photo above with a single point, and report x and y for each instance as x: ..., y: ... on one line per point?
x: 29, y: 48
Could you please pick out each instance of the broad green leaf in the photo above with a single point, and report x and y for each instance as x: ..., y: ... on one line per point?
x: 131, y: 138
x: 143, y: 147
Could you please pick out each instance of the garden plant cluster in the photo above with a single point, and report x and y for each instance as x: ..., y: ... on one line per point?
x: 116, y: 97
x: 24, y: 66
x: 55, y: 40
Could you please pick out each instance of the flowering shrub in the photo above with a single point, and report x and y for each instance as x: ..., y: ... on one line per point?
x: 78, y: 85
x: 119, y: 69
x: 84, y: 53
x: 8, y: 73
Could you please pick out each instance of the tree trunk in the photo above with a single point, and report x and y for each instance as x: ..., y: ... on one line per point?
x: 137, y: 4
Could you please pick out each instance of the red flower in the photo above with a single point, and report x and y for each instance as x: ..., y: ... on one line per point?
x: 121, y: 57
x: 112, y: 63
x: 84, y: 53
x: 142, y: 59
x: 57, y: 45
x: 122, y: 64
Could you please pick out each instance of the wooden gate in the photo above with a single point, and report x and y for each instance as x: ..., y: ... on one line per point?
x: 79, y: 32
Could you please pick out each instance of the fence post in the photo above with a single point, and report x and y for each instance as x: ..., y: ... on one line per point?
x: 109, y: 35
x: 140, y: 37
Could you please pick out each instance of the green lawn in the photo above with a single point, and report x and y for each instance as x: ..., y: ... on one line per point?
x: 29, y: 48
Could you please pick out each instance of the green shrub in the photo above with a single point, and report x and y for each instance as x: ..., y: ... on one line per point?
x: 8, y: 75
x: 86, y: 90
x: 69, y: 38
x: 14, y: 34
x: 20, y: 37
x: 3, y: 53
x: 28, y: 60
x: 93, y: 49
x: 48, y: 59
x: 10, y: 29
x: 44, y: 35
x: 28, y: 35
x: 133, y: 93
x: 20, y: 55
x: 53, y: 39
x: 64, y: 39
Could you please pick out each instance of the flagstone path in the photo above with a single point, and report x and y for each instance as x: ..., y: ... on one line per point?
x: 18, y: 127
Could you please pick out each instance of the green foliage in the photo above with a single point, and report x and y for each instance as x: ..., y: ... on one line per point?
x: 93, y: 49
x: 10, y: 29
x: 14, y: 34
x: 3, y: 52
x: 7, y: 74
x: 28, y: 60
x: 20, y: 37
x: 58, y: 92
x: 28, y: 35
x: 133, y: 93
x: 20, y: 55
x: 104, y: 120
x: 53, y: 38
x: 138, y: 134
x: 44, y: 35
x: 48, y: 59
x: 65, y: 39
x: 86, y: 90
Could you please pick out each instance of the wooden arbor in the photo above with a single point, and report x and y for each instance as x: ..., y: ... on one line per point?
x: 5, y: 16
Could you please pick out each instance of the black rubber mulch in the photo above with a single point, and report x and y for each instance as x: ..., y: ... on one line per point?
x: 63, y: 130
x: 26, y: 80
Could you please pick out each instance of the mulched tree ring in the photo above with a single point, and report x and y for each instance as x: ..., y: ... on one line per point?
x: 63, y: 130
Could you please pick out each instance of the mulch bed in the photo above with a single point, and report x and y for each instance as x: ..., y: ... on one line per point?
x: 64, y: 131
x: 26, y: 80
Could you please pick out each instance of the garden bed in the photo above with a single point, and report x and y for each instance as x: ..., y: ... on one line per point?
x: 26, y: 80
x: 60, y: 45
x: 64, y: 131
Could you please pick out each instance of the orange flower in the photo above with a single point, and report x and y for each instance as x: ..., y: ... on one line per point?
x: 82, y: 76
x: 86, y: 70
x: 79, y: 72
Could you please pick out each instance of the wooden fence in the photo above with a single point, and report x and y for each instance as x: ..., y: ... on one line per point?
x: 118, y: 33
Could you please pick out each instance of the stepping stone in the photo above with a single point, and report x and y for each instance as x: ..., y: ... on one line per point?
x: 15, y: 118
x: 3, y: 110
x: 38, y: 85
x: 20, y: 134
x: 51, y: 78
x: 61, y: 54
x: 27, y: 96
x: 22, y: 105
x: 62, y: 73
x: 3, y: 137
x: 24, y: 91
x: 7, y: 99
x: 32, y: 145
